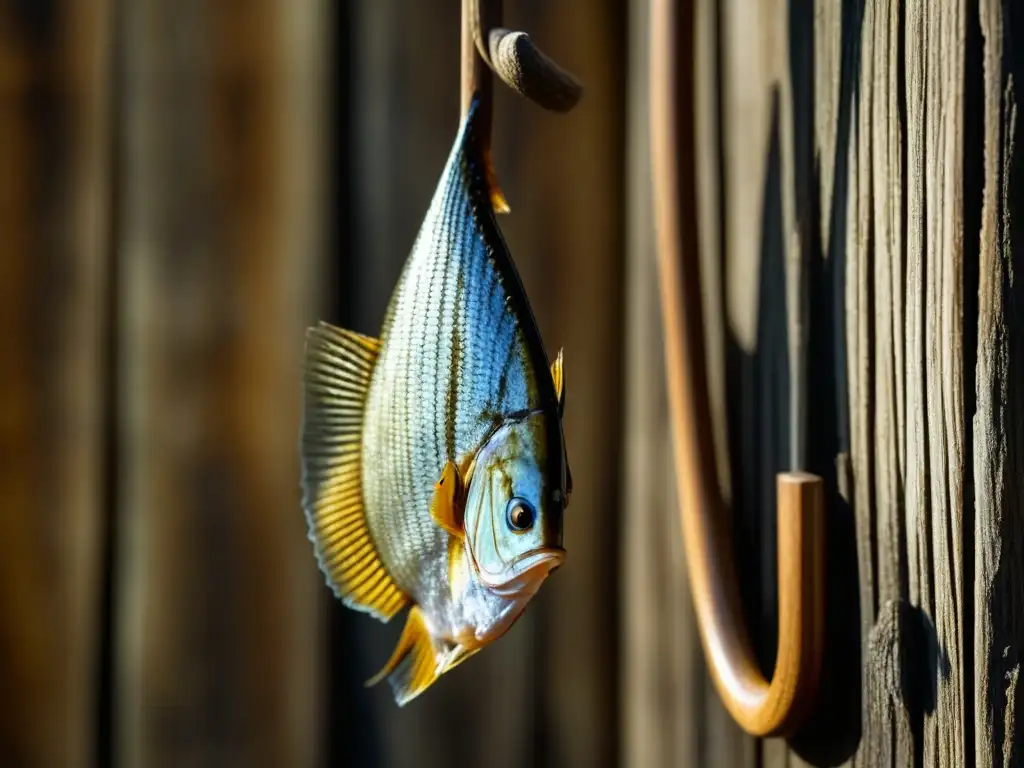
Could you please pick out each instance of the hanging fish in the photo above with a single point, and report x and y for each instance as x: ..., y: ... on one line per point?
x: 434, y: 466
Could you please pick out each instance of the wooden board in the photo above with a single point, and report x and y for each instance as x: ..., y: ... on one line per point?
x: 55, y: 192
x: 868, y: 188
x: 220, y: 157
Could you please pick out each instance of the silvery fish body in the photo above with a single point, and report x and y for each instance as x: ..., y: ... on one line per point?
x: 434, y: 464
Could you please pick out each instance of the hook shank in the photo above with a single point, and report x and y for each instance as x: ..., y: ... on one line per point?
x: 761, y: 707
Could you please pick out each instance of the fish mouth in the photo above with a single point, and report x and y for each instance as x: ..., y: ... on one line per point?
x: 525, y: 574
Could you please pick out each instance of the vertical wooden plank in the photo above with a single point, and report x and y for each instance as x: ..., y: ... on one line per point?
x: 566, y: 230
x: 828, y: 56
x: 919, y: 583
x: 908, y: 436
x: 300, y: 78
x: 944, y: 368
x: 997, y: 425
x: 709, y: 135
x: 828, y: 49
x: 859, y: 353
x: 217, y: 613
x: 669, y: 706
x: 54, y: 208
x: 921, y: 588
x: 664, y: 679
x: 645, y: 738
x: 882, y: 162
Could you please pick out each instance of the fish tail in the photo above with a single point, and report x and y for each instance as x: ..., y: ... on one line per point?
x: 413, y: 666
x: 338, y: 367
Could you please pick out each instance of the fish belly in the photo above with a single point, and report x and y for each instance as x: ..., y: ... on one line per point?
x: 452, y: 363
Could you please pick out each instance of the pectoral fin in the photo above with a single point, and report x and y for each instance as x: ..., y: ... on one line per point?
x: 413, y: 666
x: 446, y: 508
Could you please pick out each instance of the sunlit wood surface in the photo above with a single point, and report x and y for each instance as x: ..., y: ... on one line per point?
x: 868, y: 152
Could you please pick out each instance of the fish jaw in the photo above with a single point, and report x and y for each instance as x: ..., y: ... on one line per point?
x: 524, y: 576
x: 479, y: 613
x: 515, y: 601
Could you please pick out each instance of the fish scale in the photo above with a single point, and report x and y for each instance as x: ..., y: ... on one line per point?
x: 418, y: 337
x: 434, y: 471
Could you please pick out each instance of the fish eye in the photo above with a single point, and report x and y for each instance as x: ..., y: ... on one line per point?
x: 519, y: 514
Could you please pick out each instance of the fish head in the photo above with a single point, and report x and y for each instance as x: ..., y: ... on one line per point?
x: 514, y: 506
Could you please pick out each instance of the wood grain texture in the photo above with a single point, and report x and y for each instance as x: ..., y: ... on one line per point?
x: 868, y: 152
x: 921, y: 327
x: 998, y: 424
x: 217, y: 624
x: 55, y: 191
x: 905, y: 320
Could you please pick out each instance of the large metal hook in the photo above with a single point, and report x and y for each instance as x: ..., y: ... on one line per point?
x: 761, y: 707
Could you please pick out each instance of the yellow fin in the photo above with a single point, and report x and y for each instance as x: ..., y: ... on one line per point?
x: 498, y: 201
x: 338, y: 367
x: 457, y: 655
x: 558, y: 377
x: 444, y: 508
x: 412, y: 667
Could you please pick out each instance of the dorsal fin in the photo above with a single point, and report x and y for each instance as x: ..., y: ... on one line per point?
x: 558, y: 377
x: 338, y: 367
x: 498, y: 201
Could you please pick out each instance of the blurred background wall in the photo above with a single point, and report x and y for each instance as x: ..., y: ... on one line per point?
x: 185, y: 185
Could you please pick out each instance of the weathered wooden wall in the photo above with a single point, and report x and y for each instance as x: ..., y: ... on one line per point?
x: 934, y: 342
x: 217, y: 247
x: 860, y: 205
x: 185, y: 187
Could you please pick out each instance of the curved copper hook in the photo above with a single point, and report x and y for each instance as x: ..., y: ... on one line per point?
x: 761, y: 707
